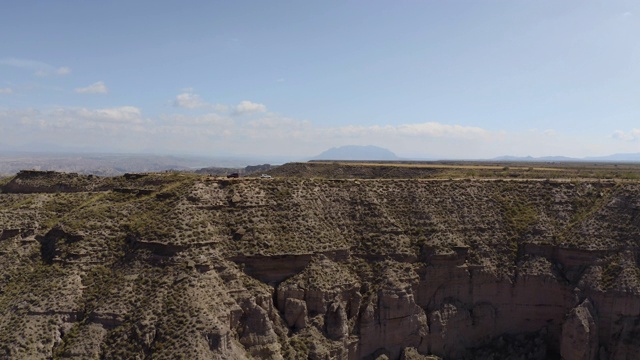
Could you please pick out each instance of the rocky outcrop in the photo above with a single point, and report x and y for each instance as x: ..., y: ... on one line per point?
x: 392, y: 318
x: 413, y: 354
x: 256, y: 333
x: 295, y: 313
x: 336, y: 321
x: 580, y: 334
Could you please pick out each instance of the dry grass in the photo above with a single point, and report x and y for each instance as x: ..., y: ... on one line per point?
x: 441, y: 166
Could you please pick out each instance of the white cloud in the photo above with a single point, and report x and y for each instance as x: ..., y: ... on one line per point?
x: 274, y: 126
x: 189, y: 100
x: 274, y: 122
x: 266, y: 134
x: 618, y: 134
x: 39, y: 68
x: 248, y: 107
x: 109, y: 129
x: 631, y: 135
x: 123, y: 114
x: 206, y: 119
x: 6, y: 91
x: 87, y: 118
x: 427, y: 129
x: 435, y: 129
x: 95, y: 88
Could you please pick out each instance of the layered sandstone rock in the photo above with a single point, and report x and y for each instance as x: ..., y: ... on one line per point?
x: 319, y: 269
x: 580, y: 334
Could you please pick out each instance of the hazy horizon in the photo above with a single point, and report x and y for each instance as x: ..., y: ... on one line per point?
x: 433, y: 79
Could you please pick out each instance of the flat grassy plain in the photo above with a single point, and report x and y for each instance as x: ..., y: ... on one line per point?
x: 459, y: 169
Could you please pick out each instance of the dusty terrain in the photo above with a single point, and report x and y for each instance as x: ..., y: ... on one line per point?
x: 118, y: 164
x: 169, y: 266
x: 457, y: 170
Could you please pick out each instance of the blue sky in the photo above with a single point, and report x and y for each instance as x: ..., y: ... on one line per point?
x: 447, y: 79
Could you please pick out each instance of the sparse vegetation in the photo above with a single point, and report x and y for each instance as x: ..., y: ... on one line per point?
x: 170, y: 265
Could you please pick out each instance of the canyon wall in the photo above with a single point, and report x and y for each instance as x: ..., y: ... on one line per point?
x: 169, y: 266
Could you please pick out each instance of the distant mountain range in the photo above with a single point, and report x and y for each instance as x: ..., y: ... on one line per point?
x: 356, y: 152
x: 371, y: 153
x: 116, y: 164
x: 629, y: 157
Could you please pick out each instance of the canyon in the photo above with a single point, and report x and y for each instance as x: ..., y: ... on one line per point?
x: 175, y: 265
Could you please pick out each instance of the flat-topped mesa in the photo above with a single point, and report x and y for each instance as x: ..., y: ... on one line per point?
x: 26, y: 174
x: 308, y: 268
x: 34, y: 181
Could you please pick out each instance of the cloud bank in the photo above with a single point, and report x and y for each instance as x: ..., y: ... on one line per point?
x: 200, y: 127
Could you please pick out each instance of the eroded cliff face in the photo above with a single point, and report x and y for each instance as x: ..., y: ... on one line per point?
x: 170, y: 266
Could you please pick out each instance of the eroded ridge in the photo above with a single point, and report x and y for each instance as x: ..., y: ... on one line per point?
x: 165, y: 266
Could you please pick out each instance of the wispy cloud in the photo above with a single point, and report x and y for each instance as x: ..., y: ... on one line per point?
x: 58, y: 71
x: 6, y: 91
x: 123, y: 114
x: 191, y: 100
x: 254, y: 130
x: 95, y: 88
x: 247, y: 128
x: 121, y: 128
x: 39, y: 68
x: 211, y: 119
x: 631, y: 135
x: 248, y: 107
x: 79, y: 119
x: 427, y: 129
x: 274, y: 121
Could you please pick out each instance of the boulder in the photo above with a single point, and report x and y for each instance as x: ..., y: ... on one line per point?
x: 580, y: 334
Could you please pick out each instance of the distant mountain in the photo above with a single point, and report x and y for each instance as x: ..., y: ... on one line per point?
x: 355, y: 152
x: 531, y: 158
x: 514, y: 158
x: 115, y: 164
x: 630, y: 157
